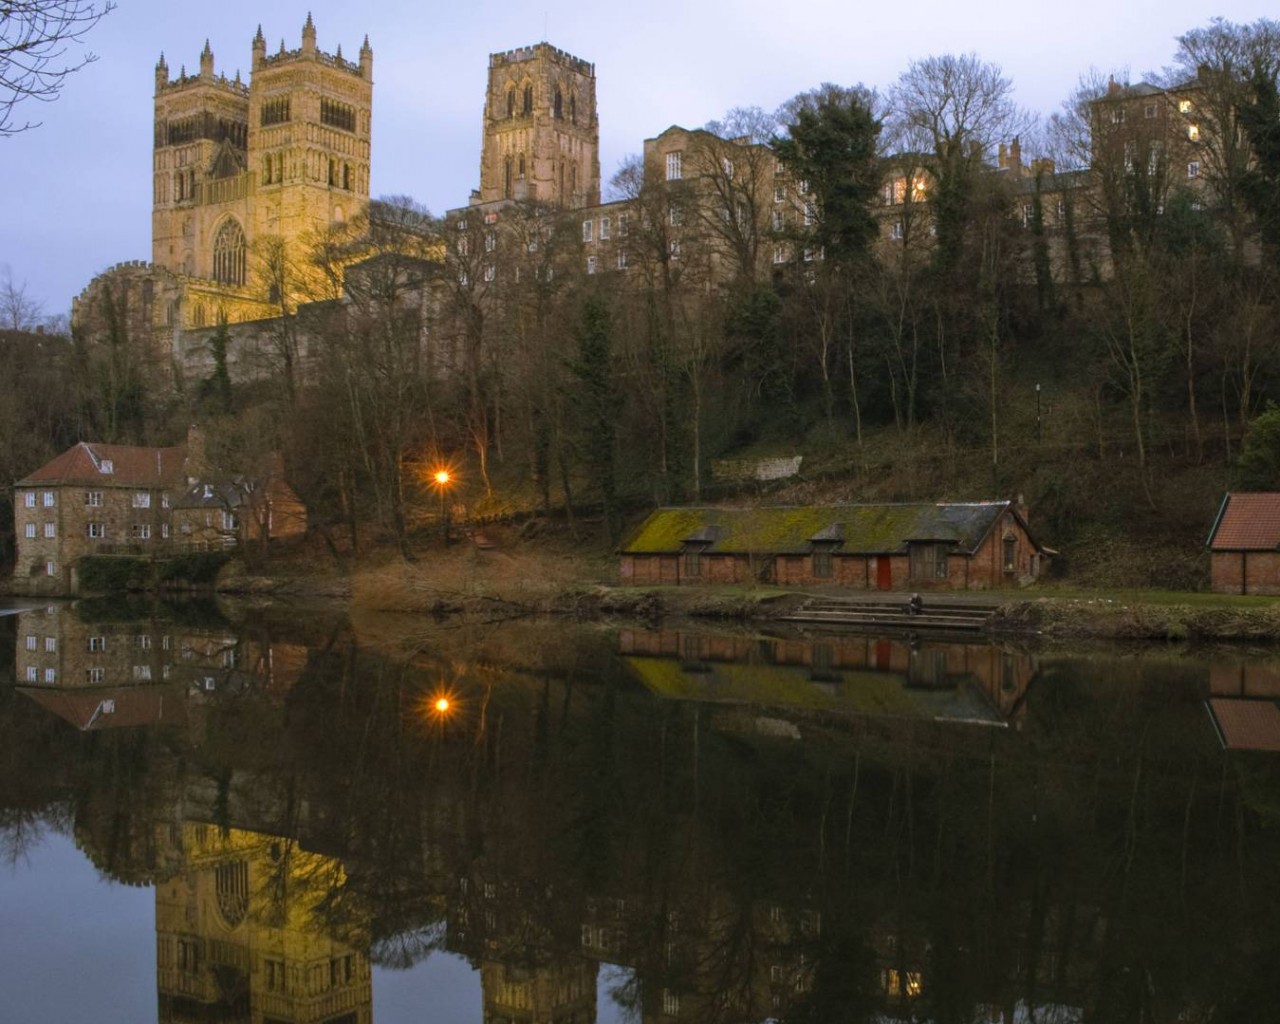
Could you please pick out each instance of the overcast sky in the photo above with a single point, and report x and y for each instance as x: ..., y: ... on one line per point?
x: 78, y: 188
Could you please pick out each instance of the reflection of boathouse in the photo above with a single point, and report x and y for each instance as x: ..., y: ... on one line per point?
x: 978, y: 683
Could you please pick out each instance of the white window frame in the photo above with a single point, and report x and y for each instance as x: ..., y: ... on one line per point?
x: 93, y: 499
x: 604, y: 229
x: 51, y: 645
x: 94, y: 675
x: 622, y: 259
x: 97, y: 643
x: 29, y: 531
x: 50, y: 675
x: 588, y: 230
x: 50, y: 531
x: 49, y: 499
x: 140, y: 531
x: 95, y: 531
x: 141, y: 499
x: 676, y: 216
x: 1193, y: 169
x: 29, y: 499
x: 33, y: 674
x: 51, y: 568
x: 675, y: 165
x: 32, y: 642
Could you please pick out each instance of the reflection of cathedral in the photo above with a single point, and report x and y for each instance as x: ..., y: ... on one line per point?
x: 244, y: 933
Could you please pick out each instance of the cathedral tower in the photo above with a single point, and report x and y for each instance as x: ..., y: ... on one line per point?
x: 541, y: 133
x: 309, y: 121
x: 234, y: 164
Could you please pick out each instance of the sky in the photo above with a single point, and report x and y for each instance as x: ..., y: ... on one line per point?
x: 77, y: 191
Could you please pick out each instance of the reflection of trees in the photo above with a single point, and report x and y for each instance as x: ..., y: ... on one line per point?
x: 1104, y: 857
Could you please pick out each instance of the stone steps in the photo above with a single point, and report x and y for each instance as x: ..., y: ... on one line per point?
x: 937, y: 614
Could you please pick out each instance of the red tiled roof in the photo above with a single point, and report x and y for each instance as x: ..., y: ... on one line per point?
x: 1247, y: 724
x: 130, y: 467
x: 1248, y: 522
x: 118, y: 707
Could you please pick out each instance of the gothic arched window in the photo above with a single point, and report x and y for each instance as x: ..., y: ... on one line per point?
x: 558, y: 108
x: 573, y: 108
x: 528, y: 100
x: 506, y: 178
x: 511, y: 103
x: 520, y: 168
x: 229, y: 253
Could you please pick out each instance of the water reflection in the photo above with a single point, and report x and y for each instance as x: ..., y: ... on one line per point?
x: 867, y: 853
x: 977, y: 683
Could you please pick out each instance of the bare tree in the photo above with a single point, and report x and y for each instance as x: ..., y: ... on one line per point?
x: 35, y: 58
x: 18, y: 310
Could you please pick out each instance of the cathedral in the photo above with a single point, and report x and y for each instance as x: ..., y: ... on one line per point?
x: 245, y: 176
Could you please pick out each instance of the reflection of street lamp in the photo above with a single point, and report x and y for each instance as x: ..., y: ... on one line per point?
x: 442, y: 481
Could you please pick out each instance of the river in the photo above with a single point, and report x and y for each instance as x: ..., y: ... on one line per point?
x: 282, y: 815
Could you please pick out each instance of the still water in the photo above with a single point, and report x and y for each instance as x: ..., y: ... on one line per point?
x: 298, y: 818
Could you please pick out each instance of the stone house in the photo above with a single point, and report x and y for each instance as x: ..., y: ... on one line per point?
x: 92, y: 499
x: 942, y: 546
x: 108, y: 499
x: 1244, y: 545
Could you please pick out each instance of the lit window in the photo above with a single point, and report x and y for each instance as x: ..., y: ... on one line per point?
x: 674, y: 170
x: 1193, y: 169
x: 1184, y: 106
x: 586, y: 230
x: 604, y: 228
x: 1193, y: 132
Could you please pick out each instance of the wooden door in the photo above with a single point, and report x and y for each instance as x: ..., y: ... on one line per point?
x: 884, y: 573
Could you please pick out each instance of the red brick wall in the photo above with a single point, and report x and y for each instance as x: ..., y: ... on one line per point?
x: 1259, y: 571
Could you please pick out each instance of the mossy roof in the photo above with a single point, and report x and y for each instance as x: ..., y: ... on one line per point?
x: 855, y: 529
x: 864, y: 691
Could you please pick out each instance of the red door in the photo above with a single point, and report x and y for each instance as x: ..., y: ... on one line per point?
x: 884, y: 573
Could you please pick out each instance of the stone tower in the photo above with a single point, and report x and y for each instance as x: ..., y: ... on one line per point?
x: 236, y: 164
x: 541, y: 133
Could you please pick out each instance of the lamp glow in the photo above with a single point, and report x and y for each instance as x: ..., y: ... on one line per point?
x: 442, y: 704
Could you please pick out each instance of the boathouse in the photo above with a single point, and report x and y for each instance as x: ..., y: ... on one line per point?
x: 934, y: 546
x: 1244, y: 544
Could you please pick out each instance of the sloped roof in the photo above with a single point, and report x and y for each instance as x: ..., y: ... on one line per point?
x: 1247, y: 522
x: 863, y: 529
x: 1246, y: 724
x: 114, y: 708
x: 129, y: 466
x: 215, y: 494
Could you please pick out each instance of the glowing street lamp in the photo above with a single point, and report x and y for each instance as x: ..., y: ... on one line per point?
x: 443, y: 479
